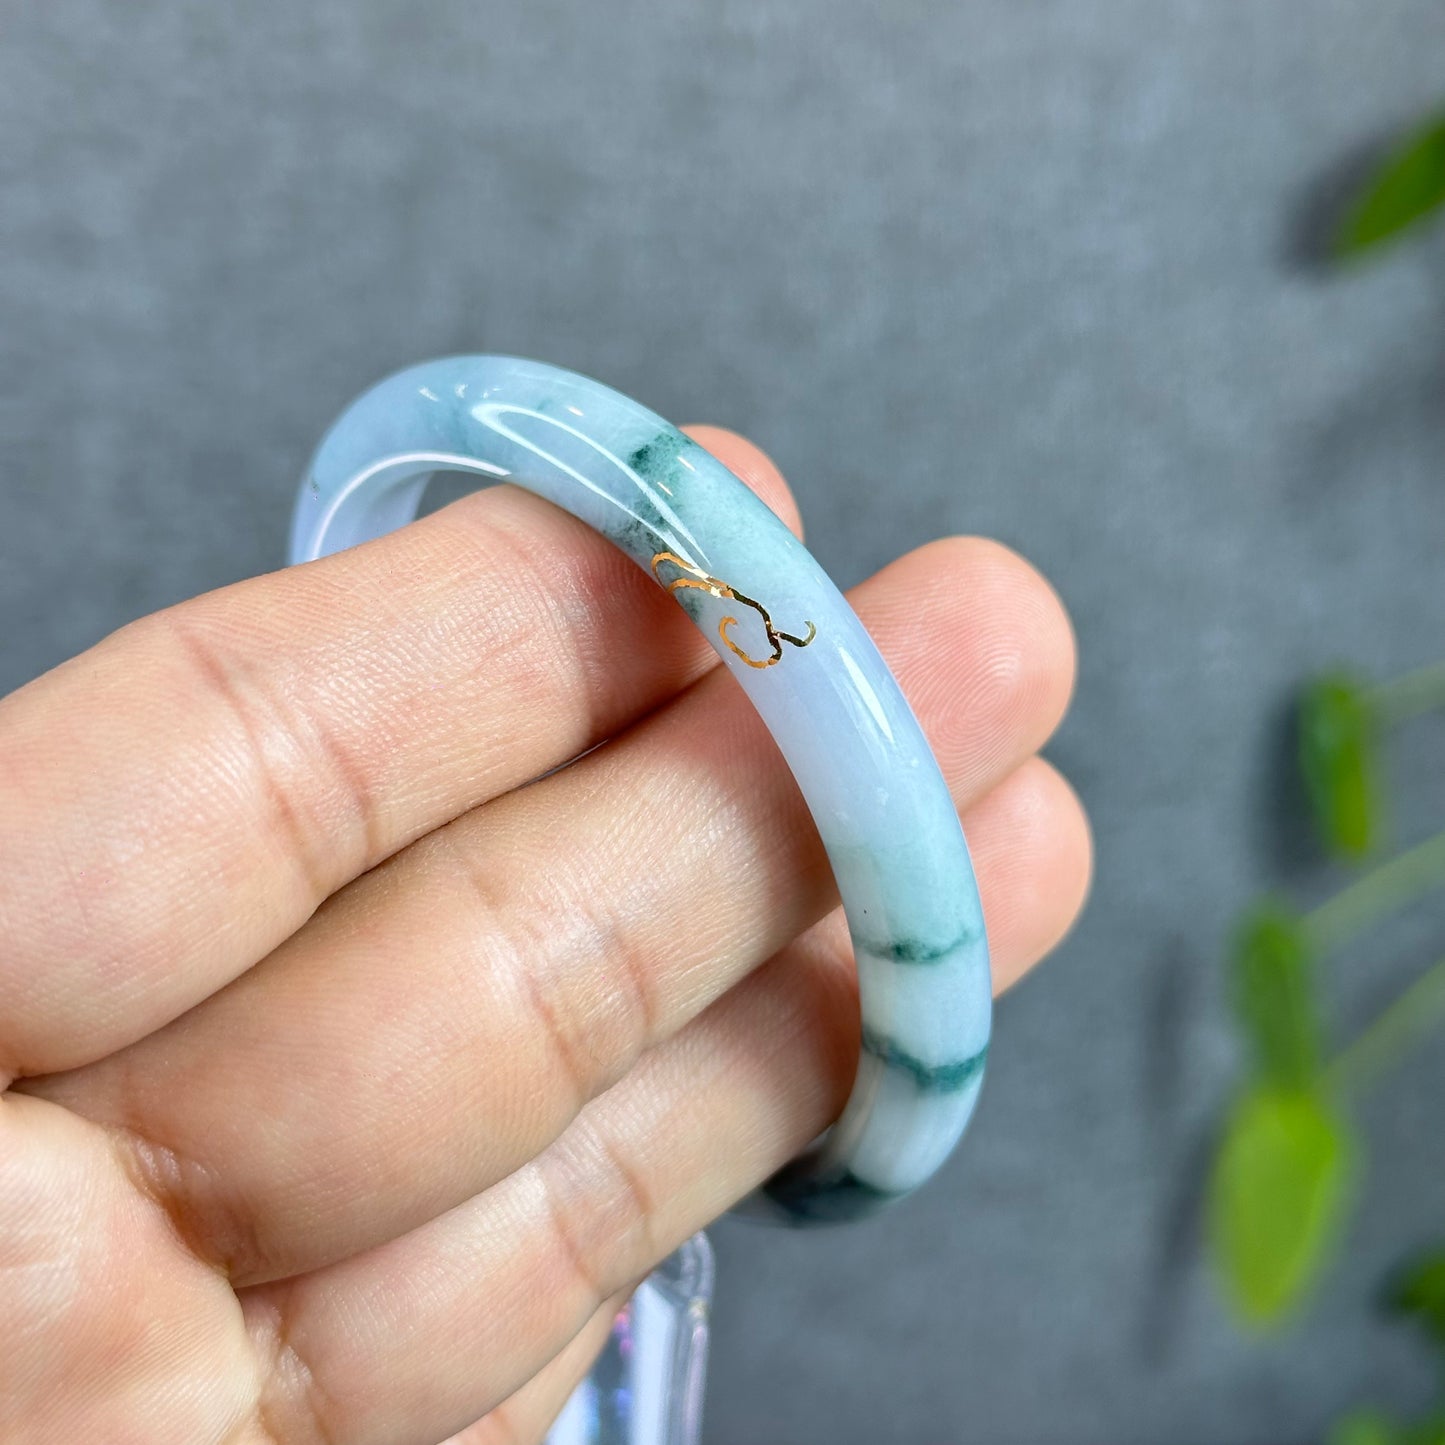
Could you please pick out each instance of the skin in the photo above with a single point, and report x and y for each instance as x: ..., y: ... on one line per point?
x: 355, y: 1071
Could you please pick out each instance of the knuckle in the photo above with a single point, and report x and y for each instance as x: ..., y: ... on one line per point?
x: 311, y: 787
x: 601, y: 1209
x: 583, y: 984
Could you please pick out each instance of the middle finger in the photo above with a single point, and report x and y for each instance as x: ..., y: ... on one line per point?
x: 442, y: 1019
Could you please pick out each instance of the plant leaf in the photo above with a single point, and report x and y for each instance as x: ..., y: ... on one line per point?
x: 1274, y: 994
x: 1338, y: 759
x: 1409, y: 186
x: 1418, y: 1293
x: 1277, y: 1198
x: 1364, y: 1427
x: 1373, y: 1427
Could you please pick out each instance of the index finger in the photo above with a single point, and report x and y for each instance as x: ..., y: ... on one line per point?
x: 180, y: 798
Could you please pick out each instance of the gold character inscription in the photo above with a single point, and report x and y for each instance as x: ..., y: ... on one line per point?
x: 693, y: 576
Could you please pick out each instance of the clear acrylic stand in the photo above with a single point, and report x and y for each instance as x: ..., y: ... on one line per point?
x: 647, y: 1385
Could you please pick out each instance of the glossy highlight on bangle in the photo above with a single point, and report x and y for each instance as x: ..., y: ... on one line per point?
x: 862, y: 763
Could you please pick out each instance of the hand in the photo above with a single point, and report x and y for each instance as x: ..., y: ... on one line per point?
x: 357, y: 1071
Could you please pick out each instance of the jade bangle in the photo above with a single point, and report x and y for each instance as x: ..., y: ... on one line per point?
x: 875, y: 791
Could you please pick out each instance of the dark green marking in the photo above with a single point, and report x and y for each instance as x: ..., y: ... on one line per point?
x: 916, y: 950
x: 655, y: 460
x: 930, y: 1078
x: 835, y: 1200
x: 641, y: 530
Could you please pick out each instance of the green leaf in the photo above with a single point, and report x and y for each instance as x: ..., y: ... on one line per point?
x: 1418, y: 1293
x: 1338, y: 759
x: 1407, y: 188
x: 1274, y: 996
x: 1372, y: 1427
x: 1365, y: 1427
x: 1276, y: 1200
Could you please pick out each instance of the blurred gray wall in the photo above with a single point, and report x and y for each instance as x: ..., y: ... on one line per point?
x: 1042, y: 270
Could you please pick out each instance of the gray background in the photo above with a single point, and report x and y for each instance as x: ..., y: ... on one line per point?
x: 1040, y: 270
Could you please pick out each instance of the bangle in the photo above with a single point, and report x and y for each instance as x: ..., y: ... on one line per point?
x: 875, y: 791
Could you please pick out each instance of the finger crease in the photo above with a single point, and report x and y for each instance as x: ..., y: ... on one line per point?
x: 636, y: 1203
x: 290, y: 1365
x: 314, y: 858
x: 579, y: 1077
x: 564, y: 1230
x: 639, y: 1204
x: 167, y: 1179
x: 640, y: 1008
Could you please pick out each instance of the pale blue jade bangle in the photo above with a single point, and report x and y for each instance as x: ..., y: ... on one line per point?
x: 875, y: 791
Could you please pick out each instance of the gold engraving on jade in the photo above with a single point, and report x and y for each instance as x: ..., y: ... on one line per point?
x: 695, y: 577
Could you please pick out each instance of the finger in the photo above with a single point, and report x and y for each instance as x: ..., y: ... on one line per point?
x: 180, y: 798
x: 404, y: 1333
x: 441, y: 1022
x: 1031, y: 842
x: 526, y: 1415
x: 107, y: 1318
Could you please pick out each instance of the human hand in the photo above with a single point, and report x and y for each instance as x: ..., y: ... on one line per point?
x: 357, y: 1072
